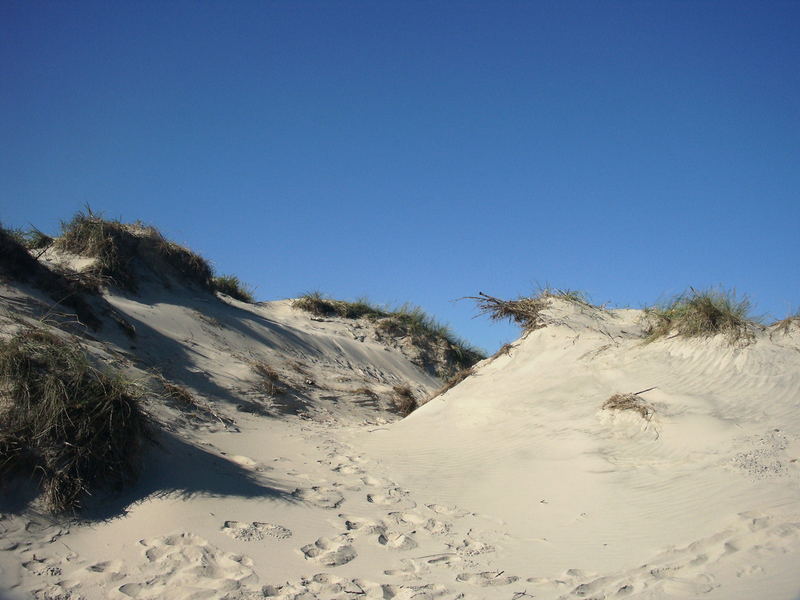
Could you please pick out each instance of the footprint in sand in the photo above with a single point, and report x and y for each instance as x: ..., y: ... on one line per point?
x: 255, y: 531
x: 330, y: 552
x: 397, y: 541
x: 449, y: 511
x: 391, y: 497
x: 107, y: 570
x: 487, y: 578
x: 323, y: 497
x: 187, y: 566
x: 362, y: 525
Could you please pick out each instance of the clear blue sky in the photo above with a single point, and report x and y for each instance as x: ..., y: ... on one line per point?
x: 421, y: 151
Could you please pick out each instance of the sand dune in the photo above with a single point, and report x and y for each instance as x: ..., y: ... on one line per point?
x: 514, y: 484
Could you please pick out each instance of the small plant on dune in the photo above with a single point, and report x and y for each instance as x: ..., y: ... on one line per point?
x: 32, y: 239
x: 270, y: 379
x: 78, y: 428
x: 181, y: 398
x: 233, y: 287
x: 453, y: 382
x: 365, y: 391
x: 526, y: 311
x: 784, y: 326
x: 701, y: 313
x: 404, y: 400
x: 632, y: 402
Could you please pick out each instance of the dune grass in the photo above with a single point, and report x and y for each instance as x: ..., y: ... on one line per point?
x: 407, y: 320
x: 525, y: 311
x: 118, y: 247
x: 632, y: 402
x: 233, y: 287
x: 404, y: 400
x: 270, y: 382
x: 784, y: 326
x: 453, y: 382
x: 77, y: 428
x: 701, y: 313
x: 16, y: 263
x: 32, y: 239
x: 320, y: 305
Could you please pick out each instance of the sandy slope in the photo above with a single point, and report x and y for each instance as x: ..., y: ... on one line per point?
x: 702, y: 500
x: 514, y: 484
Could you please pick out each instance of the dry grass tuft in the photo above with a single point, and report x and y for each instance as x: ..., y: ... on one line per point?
x: 233, y: 287
x: 453, y: 382
x: 270, y: 379
x: 632, y: 402
x: 784, y: 326
x: 701, y: 313
x: 525, y: 311
x: 404, y: 400
x: 365, y: 391
x: 75, y: 426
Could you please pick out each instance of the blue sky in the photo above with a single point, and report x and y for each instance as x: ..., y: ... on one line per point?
x: 422, y: 151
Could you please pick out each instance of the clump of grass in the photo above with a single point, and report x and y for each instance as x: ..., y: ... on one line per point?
x: 320, y: 305
x: 632, y: 402
x: 784, y: 326
x: 119, y: 247
x: 16, y: 263
x: 181, y: 398
x: 453, y: 381
x: 79, y: 428
x: 404, y: 400
x: 525, y: 311
x: 32, y: 239
x: 365, y: 391
x: 701, y: 313
x: 233, y: 287
x: 270, y: 379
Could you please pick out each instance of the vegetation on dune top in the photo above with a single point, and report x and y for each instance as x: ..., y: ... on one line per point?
x: 702, y: 313
x: 77, y: 428
x: 525, y: 311
x: 233, y: 287
x: 16, y: 263
x: 785, y: 325
x: 406, y: 321
x: 117, y: 247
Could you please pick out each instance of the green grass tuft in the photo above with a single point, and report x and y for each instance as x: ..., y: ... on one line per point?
x: 80, y: 429
x: 233, y: 287
x: 701, y: 314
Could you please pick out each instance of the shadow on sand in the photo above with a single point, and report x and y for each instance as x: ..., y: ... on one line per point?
x: 172, y: 468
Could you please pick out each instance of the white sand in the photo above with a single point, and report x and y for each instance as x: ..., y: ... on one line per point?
x: 514, y: 484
